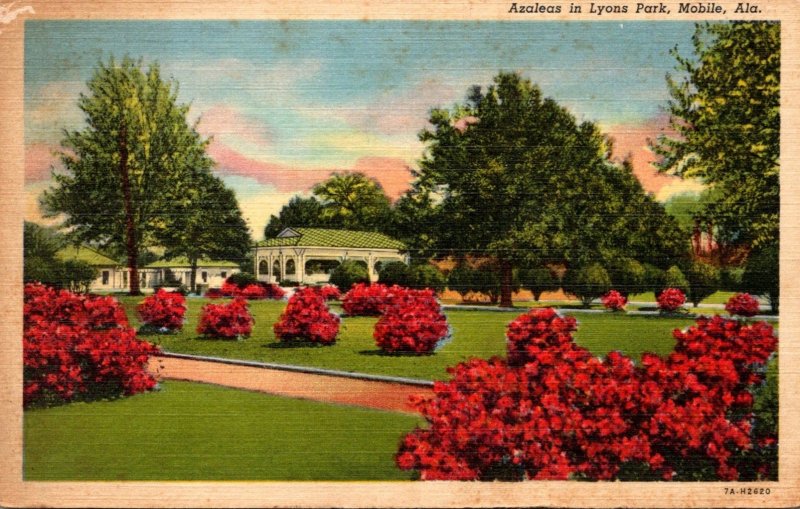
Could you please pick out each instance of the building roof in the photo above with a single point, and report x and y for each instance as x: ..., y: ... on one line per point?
x: 323, y: 237
x: 86, y: 255
x: 181, y: 262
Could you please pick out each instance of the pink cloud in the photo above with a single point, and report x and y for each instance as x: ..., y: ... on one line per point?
x: 39, y: 158
x: 631, y: 140
x: 392, y: 173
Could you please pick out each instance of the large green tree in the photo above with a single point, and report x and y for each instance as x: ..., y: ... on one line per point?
x: 517, y: 178
x: 206, y: 224
x: 725, y: 112
x: 128, y: 164
x: 298, y: 212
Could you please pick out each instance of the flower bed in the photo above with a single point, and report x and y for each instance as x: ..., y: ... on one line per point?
x: 228, y: 321
x: 307, y: 317
x: 742, y: 304
x: 554, y: 411
x: 366, y: 300
x: 163, y: 311
x: 79, y: 347
x: 252, y: 291
x: 614, y: 301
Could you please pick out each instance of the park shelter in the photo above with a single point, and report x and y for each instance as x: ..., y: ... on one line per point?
x: 210, y: 273
x: 111, y: 275
x: 309, y: 255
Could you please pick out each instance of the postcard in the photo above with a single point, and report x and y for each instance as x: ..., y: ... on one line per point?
x: 382, y: 254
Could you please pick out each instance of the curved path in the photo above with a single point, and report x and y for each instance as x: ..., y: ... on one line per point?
x: 346, y: 390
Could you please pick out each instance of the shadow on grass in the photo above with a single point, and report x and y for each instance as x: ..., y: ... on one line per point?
x: 280, y: 345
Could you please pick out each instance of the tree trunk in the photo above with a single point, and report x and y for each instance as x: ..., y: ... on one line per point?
x: 506, y: 282
x: 131, y: 247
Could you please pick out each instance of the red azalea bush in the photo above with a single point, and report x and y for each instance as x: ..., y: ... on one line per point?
x: 614, y: 301
x: 307, y: 317
x: 163, y: 310
x: 366, y: 300
x: 412, y: 322
x: 742, y: 304
x: 79, y: 347
x: 328, y: 292
x: 214, y: 293
x: 232, y: 320
x: 671, y: 300
x: 554, y: 411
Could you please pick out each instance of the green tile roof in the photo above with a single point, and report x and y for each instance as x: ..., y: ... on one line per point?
x: 322, y: 237
x: 87, y: 255
x: 182, y: 262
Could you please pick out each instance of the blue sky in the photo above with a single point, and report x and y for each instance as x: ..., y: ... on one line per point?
x: 289, y: 102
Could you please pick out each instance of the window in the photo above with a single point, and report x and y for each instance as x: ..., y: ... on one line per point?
x: 263, y: 267
x: 106, y: 277
x: 125, y: 279
x: 276, y: 270
x: 289, y: 267
x: 223, y: 274
x: 204, y: 275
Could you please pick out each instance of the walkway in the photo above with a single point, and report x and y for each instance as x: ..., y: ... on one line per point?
x: 291, y: 382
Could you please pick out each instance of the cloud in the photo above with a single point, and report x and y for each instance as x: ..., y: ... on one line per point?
x: 32, y: 211
x: 393, y: 174
x: 51, y: 109
x: 233, y: 127
x: 39, y: 159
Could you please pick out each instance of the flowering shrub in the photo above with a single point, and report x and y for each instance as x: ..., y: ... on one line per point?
x: 259, y: 290
x: 366, y: 300
x: 232, y: 320
x: 214, y: 293
x: 554, y: 411
x: 79, y: 347
x: 742, y: 304
x: 614, y: 301
x: 328, y: 292
x: 307, y: 317
x: 412, y: 322
x: 163, y: 310
x: 671, y: 300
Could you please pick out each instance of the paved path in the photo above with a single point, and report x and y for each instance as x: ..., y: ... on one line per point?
x: 332, y: 389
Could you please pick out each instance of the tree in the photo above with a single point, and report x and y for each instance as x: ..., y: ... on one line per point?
x: 353, y: 201
x: 627, y: 276
x: 538, y: 280
x: 348, y: 273
x: 520, y: 180
x: 40, y: 261
x: 427, y: 276
x: 129, y: 163
x: 207, y: 224
x: 761, y: 275
x: 725, y: 111
x: 704, y: 280
x: 298, y: 212
x: 587, y: 283
x: 673, y: 278
x: 395, y: 273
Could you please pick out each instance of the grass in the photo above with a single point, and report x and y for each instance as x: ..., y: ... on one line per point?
x: 475, y: 334
x: 192, y: 431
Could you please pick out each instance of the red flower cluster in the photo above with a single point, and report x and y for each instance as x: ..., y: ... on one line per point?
x: 327, y: 292
x: 307, y: 317
x: 553, y: 411
x: 163, y: 310
x: 742, y: 304
x: 367, y: 300
x: 232, y: 320
x: 671, y: 300
x: 252, y: 291
x: 79, y: 347
x: 412, y: 322
x: 614, y: 301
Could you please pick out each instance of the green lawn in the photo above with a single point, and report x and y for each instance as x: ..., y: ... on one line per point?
x: 475, y: 334
x: 192, y: 431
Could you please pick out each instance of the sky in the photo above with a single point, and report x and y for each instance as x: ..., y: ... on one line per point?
x: 286, y: 103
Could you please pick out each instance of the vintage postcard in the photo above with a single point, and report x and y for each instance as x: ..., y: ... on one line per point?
x: 385, y: 254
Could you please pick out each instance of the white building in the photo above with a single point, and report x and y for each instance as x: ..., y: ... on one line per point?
x: 211, y: 273
x: 309, y: 255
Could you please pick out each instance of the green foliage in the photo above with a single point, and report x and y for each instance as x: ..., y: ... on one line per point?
x: 348, y: 273
x: 298, y: 212
x: 627, y: 276
x: 353, y: 201
x: 703, y: 279
x: 587, y: 283
x: 674, y: 278
x: 40, y: 245
x: 653, y: 277
x: 395, y: 273
x: 761, y: 275
x: 242, y: 279
x: 129, y: 168
x: 427, y: 276
x: 731, y: 279
x: 538, y: 280
x: 725, y: 111
x: 460, y: 280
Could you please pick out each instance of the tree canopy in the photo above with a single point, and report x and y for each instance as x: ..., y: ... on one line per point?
x: 512, y: 175
x: 725, y: 112
x: 128, y: 164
